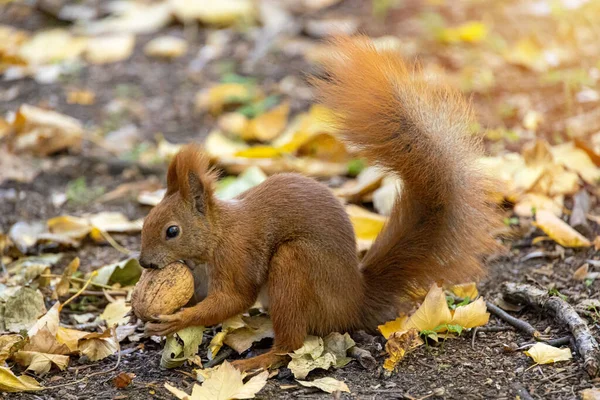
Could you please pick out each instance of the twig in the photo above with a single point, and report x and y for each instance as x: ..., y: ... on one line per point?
x: 521, y: 391
x: 70, y: 299
x: 495, y: 328
x: 552, y: 342
x: 581, y: 207
x: 364, y: 357
x: 114, y: 243
x: 223, y: 354
x: 564, y: 313
x: 517, y: 323
x: 103, y: 293
x: 80, y: 280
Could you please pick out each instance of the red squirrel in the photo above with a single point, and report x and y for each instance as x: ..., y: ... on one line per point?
x: 290, y: 238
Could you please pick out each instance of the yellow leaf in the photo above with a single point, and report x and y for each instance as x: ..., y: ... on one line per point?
x: 527, y: 52
x: 536, y: 201
x: 220, y: 96
x: 390, y: 327
x: 471, y: 315
x: 98, y: 345
x: 166, y: 46
x: 46, y: 342
x: 222, y: 13
x: 70, y: 337
x: 590, y: 394
x: 7, y: 346
x: 220, y: 146
x: 44, y: 132
x: 49, y: 320
x: 367, y: 225
x: 581, y: 272
x: 543, y: 353
x: 559, y: 230
x: 41, y: 363
x: 73, y: 227
x: 470, y: 32
x: 115, y: 313
x: 256, y: 328
x: 465, y: 290
x: 398, y: 345
x: 432, y: 313
x: 225, y: 383
x: 114, y: 221
x: 11, y: 383
x: 83, y: 97
x: 327, y: 384
x: 576, y: 160
x: 267, y: 126
x: 260, y: 152
x: 110, y: 49
x: 52, y: 46
x: 62, y: 287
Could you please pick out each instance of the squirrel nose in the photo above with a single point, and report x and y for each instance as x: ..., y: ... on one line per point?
x: 144, y: 264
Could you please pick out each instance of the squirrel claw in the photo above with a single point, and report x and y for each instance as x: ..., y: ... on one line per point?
x: 164, y: 325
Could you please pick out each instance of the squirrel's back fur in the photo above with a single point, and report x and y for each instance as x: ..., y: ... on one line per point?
x: 441, y: 224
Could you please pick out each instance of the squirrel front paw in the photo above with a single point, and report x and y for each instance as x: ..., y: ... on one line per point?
x: 164, y: 325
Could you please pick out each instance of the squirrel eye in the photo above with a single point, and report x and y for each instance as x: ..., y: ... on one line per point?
x: 172, y: 231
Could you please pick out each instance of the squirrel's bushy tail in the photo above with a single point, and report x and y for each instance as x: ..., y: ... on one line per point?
x: 441, y: 224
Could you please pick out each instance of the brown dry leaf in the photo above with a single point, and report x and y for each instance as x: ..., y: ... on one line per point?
x: 267, y: 126
x: 366, y: 182
x: 223, y: 95
x: 41, y: 363
x: 70, y: 337
x: 166, y: 47
x: 62, y: 287
x: 471, y: 315
x: 11, y: 383
x: 596, y: 243
x: 50, y: 320
x: 45, y: 342
x: 224, y: 383
x: 110, y: 49
x: 465, y: 290
x: 44, y: 132
x: 227, y: 326
x: 559, y: 230
x: 82, y: 97
x: 576, y: 160
x: 581, y: 273
x: 8, y: 345
x: 398, y: 345
x: 123, y: 380
x: 98, y: 345
x: 255, y: 329
x: 543, y: 353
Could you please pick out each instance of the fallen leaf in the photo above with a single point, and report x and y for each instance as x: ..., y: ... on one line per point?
x: 543, y: 353
x: 251, y: 177
x: 82, y: 97
x: 386, y: 196
x: 367, y: 225
x: 166, y: 47
x: 62, y: 287
x: 8, y: 345
x: 115, y: 313
x: 531, y: 202
x: 111, y: 221
x: 217, y: 98
x: 41, y: 363
x: 181, y: 346
x: 255, y: 329
x: 70, y: 337
x: 45, y: 342
x: 222, y: 13
x: 42, y: 132
x: 581, y: 273
x: 225, y: 383
x: 109, y: 49
x: 126, y: 273
x: 267, y: 126
x: 11, y: 383
x: 590, y: 394
x: 471, y: 315
x: 432, y: 313
x: 327, y: 384
x: 73, y: 227
x: 51, y: 46
x: 390, y: 327
x: 22, y: 309
x: 465, y: 290
x: 398, y: 345
x: 320, y: 353
x: 469, y: 32
x: 559, y: 230
x: 123, y: 380
x: 229, y: 325
x: 97, y: 346
x: 49, y: 320
x: 368, y: 180
x: 131, y: 17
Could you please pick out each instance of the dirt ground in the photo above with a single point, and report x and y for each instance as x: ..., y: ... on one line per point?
x: 160, y: 95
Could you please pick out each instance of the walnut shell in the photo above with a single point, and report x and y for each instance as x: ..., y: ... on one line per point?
x: 162, y: 291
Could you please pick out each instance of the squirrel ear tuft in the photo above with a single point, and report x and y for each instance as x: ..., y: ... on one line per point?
x: 190, y: 174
